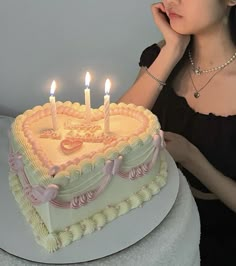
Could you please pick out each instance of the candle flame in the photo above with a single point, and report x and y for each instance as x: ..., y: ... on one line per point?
x: 107, y: 86
x: 87, y: 79
x: 53, y: 87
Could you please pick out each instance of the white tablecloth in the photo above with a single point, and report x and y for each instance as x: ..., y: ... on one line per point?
x: 175, y: 242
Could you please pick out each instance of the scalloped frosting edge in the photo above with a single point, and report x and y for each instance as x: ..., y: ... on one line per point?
x: 56, y: 240
x: 85, y: 165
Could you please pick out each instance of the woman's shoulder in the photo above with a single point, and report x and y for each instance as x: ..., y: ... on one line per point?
x: 150, y: 53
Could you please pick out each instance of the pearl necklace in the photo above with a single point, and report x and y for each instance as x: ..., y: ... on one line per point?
x: 199, y: 71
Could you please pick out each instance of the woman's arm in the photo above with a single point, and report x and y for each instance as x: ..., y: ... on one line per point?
x: 191, y: 158
x: 222, y: 186
x: 146, y: 89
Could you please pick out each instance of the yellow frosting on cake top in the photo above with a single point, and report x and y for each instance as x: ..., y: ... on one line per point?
x: 77, y: 143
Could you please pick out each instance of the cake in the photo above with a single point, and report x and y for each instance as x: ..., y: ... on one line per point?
x: 74, y: 180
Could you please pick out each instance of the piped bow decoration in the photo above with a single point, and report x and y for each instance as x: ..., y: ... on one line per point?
x: 40, y: 194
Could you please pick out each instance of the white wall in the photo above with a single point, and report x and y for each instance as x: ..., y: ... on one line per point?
x: 42, y: 40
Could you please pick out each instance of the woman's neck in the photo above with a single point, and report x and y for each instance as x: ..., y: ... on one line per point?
x: 212, y: 49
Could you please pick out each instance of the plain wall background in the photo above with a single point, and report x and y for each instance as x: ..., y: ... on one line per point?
x: 42, y: 40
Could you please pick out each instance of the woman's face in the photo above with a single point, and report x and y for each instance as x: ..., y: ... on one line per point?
x: 196, y: 16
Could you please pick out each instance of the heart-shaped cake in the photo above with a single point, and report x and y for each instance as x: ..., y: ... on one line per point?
x: 79, y: 176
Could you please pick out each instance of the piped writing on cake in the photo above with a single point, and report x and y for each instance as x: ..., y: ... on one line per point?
x: 29, y: 126
x: 49, y: 134
x: 76, y: 134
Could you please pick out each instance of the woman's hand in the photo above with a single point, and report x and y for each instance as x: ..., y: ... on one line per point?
x: 190, y: 157
x: 178, y: 147
x: 173, y: 40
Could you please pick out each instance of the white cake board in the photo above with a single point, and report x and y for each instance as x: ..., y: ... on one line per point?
x: 17, y: 237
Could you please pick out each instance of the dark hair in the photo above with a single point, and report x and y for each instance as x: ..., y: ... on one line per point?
x: 232, y: 23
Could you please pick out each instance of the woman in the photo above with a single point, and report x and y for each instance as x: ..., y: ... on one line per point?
x: 189, y: 83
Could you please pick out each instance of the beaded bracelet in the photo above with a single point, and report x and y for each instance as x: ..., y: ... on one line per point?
x: 162, y: 83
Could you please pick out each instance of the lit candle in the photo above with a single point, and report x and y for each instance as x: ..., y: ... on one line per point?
x: 87, y: 98
x: 53, y: 105
x: 107, y: 107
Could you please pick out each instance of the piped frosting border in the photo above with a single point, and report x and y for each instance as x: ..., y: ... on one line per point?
x: 21, y: 132
x: 54, y: 241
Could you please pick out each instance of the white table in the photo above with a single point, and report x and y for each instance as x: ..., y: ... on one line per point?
x: 175, y: 242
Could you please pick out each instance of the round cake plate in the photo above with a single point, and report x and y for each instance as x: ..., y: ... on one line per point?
x: 17, y: 237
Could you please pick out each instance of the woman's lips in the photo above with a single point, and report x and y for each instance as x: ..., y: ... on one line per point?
x: 173, y: 15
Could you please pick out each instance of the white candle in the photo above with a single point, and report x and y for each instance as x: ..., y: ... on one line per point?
x: 53, y: 105
x: 87, y: 98
x: 107, y: 107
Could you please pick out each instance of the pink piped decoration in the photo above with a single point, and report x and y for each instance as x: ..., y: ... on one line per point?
x: 54, y: 170
x: 157, y: 141
x: 49, y: 134
x: 82, y: 200
x: 90, y: 195
x: 116, y: 165
x: 15, y: 162
x: 85, y: 198
x: 107, y: 170
x: 138, y: 171
x: 40, y: 194
x: 163, y: 144
x: 70, y: 145
x: 143, y: 169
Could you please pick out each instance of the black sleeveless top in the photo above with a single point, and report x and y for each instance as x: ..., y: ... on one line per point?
x: 214, y: 135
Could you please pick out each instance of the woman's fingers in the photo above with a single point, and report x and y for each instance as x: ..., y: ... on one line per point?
x: 160, y: 18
